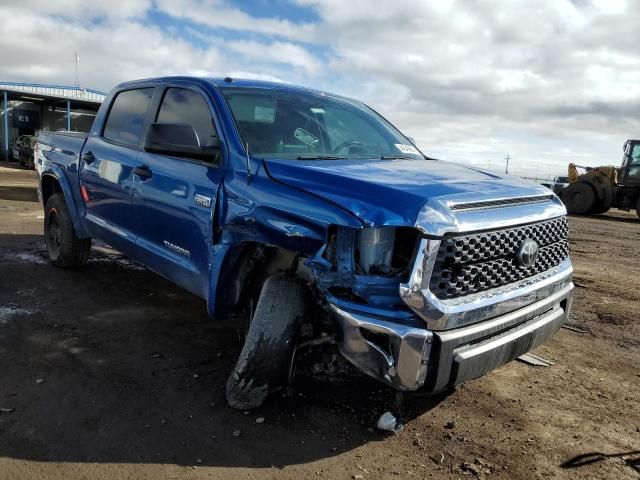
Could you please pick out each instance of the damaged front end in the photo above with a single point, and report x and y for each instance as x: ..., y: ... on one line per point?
x: 358, y: 273
x: 433, y: 306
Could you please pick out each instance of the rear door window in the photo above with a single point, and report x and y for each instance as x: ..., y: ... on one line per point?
x: 126, y: 117
x: 187, y: 107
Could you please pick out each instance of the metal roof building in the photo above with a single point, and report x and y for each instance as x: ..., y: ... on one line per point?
x: 29, y: 108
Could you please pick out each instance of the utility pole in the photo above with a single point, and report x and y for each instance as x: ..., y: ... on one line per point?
x: 77, y: 60
x: 507, y: 158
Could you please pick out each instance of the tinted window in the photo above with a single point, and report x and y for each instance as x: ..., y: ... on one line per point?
x: 126, y: 118
x: 187, y: 107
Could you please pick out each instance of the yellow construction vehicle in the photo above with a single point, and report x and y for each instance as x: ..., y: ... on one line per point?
x: 600, y: 188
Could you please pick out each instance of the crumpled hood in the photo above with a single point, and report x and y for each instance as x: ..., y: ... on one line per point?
x: 392, y: 192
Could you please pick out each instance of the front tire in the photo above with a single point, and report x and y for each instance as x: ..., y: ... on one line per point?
x: 266, y: 359
x: 64, y: 247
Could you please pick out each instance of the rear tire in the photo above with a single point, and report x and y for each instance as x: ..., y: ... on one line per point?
x: 638, y: 208
x: 64, y: 247
x: 265, y: 363
x: 578, y: 198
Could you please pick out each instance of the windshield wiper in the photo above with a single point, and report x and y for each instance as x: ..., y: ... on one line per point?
x: 397, y: 157
x: 319, y: 157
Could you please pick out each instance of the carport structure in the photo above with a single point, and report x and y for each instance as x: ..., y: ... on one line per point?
x: 29, y: 108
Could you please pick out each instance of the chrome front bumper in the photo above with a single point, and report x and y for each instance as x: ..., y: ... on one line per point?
x: 408, y: 357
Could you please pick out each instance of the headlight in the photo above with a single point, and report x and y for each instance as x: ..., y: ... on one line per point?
x: 386, y: 251
x: 375, y: 250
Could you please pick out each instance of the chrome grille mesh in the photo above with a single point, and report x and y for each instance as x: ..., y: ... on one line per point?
x: 482, y: 261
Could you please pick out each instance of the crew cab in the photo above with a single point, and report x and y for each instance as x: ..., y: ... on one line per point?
x: 282, y: 206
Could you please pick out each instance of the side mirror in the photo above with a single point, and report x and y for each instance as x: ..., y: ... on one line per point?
x: 179, y: 140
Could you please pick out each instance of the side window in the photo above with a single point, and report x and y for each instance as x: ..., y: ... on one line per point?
x: 126, y: 117
x: 187, y: 107
x: 635, y: 155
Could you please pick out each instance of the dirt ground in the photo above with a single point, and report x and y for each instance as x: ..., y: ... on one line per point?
x: 112, y: 372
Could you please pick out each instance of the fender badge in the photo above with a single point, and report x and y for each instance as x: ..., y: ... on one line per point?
x: 202, y: 201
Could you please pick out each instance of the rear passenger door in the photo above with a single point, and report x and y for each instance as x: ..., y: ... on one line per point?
x: 107, y: 169
x: 175, y: 205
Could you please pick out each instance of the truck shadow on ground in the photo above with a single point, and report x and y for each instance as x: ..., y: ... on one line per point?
x: 18, y: 194
x: 611, y: 218
x: 632, y: 459
x: 111, y: 363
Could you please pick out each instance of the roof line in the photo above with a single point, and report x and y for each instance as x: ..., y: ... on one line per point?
x: 46, y: 85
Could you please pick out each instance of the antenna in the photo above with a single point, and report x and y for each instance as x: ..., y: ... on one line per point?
x: 248, y: 165
x: 507, y: 158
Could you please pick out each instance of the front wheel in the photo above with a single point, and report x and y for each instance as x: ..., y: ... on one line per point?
x: 65, y: 249
x: 265, y: 363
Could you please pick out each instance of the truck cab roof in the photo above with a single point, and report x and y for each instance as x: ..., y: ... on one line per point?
x: 229, y: 82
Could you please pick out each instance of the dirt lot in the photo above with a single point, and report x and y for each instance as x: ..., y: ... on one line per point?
x: 112, y: 372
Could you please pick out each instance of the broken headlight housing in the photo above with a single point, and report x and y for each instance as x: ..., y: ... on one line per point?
x: 385, y: 251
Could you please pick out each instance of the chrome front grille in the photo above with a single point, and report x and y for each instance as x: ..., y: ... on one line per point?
x: 478, y: 262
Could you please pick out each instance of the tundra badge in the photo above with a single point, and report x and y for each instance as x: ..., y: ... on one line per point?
x: 203, y: 201
x: 177, y: 249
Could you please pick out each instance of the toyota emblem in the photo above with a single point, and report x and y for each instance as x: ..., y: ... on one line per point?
x: 527, y: 253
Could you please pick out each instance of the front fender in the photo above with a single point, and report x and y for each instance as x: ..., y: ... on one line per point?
x: 57, y: 173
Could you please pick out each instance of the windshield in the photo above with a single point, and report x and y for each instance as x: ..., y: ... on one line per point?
x: 301, y: 125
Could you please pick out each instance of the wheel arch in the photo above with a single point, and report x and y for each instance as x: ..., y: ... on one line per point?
x: 238, y: 271
x: 54, y: 181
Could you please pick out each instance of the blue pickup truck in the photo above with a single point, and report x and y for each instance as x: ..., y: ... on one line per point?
x: 284, y: 207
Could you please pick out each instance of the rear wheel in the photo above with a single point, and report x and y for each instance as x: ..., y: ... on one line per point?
x: 578, y: 198
x: 265, y: 363
x: 64, y: 247
x: 638, y: 208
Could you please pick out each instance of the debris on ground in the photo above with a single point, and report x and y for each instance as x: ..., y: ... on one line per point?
x: 535, y: 360
x: 388, y: 423
x: 7, y: 410
x: 39, y: 380
x: 236, y: 433
x: 449, y: 425
x: 575, y: 329
x: 260, y: 420
x: 478, y: 467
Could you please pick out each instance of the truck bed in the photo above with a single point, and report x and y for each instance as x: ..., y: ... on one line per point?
x: 62, y: 147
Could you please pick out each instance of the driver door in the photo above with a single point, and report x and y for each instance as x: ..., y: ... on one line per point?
x: 176, y: 200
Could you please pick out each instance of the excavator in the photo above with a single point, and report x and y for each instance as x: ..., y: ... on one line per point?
x: 600, y: 188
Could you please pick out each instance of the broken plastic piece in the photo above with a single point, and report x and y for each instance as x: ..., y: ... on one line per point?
x: 532, y: 359
x: 388, y: 423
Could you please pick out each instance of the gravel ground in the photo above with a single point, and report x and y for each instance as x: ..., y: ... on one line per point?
x: 112, y: 372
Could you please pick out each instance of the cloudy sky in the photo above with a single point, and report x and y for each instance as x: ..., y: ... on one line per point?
x: 471, y: 81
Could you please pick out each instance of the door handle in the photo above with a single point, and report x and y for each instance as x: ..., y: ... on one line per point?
x: 143, y: 171
x: 88, y: 157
